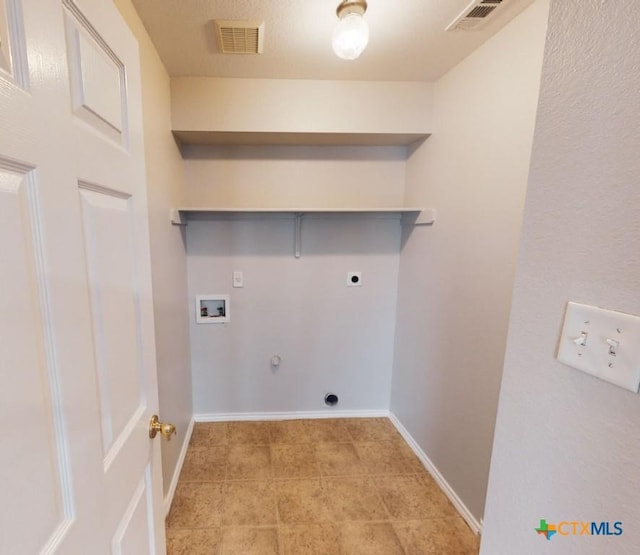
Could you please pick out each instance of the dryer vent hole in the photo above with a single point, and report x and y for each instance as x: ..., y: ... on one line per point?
x: 331, y: 399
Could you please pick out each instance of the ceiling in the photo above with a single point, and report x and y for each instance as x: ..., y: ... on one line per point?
x: 408, y: 41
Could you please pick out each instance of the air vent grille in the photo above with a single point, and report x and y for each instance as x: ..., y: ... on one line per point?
x: 481, y: 11
x: 475, y: 15
x: 240, y: 37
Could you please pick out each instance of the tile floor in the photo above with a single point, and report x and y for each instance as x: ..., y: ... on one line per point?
x: 310, y: 487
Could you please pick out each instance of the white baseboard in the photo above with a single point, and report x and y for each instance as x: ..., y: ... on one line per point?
x: 293, y: 415
x: 439, y: 478
x: 176, y: 473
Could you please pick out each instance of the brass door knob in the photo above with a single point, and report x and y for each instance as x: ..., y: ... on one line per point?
x: 155, y: 426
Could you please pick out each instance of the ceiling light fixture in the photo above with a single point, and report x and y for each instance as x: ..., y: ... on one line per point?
x: 351, y: 35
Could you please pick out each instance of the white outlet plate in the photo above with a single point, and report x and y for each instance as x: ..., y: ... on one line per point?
x: 595, y: 326
x: 238, y: 278
x: 354, y: 279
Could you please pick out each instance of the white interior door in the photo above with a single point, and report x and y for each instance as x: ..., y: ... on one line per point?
x: 79, y: 472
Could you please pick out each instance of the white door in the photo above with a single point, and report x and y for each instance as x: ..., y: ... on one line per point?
x: 78, y: 472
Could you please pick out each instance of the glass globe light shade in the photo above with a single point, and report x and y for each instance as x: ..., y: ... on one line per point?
x: 350, y: 37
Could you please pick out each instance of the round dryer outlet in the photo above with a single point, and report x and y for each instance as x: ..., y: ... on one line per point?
x: 331, y: 399
x: 354, y: 279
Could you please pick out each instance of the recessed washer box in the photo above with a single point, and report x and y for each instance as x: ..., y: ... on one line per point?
x: 213, y: 309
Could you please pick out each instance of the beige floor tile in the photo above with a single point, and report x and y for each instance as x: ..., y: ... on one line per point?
x: 338, y: 459
x: 408, y: 497
x: 370, y: 538
x: 205, y: 464
x: 409, y: 457
x: 294, y: 461
x: 250, y: 541
x: 439, y: 536
x: 185, y: 541
x: 382, y: 457
x: 288, y: 431
x: 354, y: 499
x: 249, y: 462
x: 437, y: 498
x: 208, y: 433
x: 302, y: 502
x: 310, y: 539
x: 372, y: 429
x: 196, y: 505
x: 468, y: 537
x: 249, y: 504
x: 256, y: 433
x: 325, y: 487
x: 327, y: 430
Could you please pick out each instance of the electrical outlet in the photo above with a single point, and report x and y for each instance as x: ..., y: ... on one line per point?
x: 354, y: 279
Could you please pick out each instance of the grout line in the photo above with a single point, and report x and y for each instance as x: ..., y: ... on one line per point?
x: 278, y: 524
x: 402, y: 544
x: 262, y: 526
x: 272, y: 485
x: 223, y: 504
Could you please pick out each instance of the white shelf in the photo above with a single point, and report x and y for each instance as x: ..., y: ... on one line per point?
x: 179, y: 216
x: 409, y: 216
x: 255, y: 138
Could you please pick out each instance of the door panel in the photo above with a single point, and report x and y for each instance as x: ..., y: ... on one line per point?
x: 97, y: 77
x: 38, y: 489
x: 13, y: 59
x: 110, y: 173
x: 109, y: 247
x: 132, y: 536
x: 80, y: 474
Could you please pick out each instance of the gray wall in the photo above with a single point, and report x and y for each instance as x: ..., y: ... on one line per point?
x: 331, y: 337
x: 567, y: 445
x: 456, y: 278
x: 295, y: 176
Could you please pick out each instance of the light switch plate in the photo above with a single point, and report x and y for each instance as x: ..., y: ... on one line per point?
x: 603, y: 343
x: 238, y: 278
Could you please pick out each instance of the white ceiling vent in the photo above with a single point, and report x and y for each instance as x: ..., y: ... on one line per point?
x: 240, y: 37
x: 475, y: 15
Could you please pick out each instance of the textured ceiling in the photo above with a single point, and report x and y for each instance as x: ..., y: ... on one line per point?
x: 407, y: 43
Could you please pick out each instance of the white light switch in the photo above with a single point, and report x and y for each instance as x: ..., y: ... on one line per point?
x: 604, y: 343
x: 238, y: 279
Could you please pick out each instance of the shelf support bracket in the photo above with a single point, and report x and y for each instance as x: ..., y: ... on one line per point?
x: 176, y: 217
x: 426, y: 216
x: 298, y: 235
